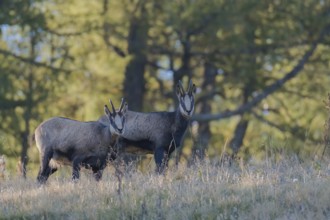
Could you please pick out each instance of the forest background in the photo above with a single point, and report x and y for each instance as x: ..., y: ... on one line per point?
x: 261, y: 69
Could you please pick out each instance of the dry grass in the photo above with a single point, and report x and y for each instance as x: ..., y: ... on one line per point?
x: 286, y: 190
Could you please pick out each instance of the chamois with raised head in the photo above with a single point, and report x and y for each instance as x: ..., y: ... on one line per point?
x: 159, y: 133
x: 63, y: 141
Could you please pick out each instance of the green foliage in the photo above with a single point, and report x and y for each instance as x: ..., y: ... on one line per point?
x: 68, y: 58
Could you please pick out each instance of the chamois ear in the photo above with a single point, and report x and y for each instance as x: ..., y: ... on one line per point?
x: 192, y: 89
x: 107, y: 111
x: 121, y: 105
x: 125, y: 108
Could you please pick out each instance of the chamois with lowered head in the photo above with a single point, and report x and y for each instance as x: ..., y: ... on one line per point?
x: 63, y: 141
x: 159, y: 133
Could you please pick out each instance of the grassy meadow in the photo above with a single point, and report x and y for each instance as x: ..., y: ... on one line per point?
x: 287, y: 189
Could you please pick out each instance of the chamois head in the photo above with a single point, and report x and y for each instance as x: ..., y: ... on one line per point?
x: 116, y: 118
x: 186, y: 98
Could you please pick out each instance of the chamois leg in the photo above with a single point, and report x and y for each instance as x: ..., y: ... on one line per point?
x: 112, y: 155
x: 53, y: 170
x: 75, y: 169
x: 45, y: 170
x: 97, y: 173
x: 98, y: 164
x: 161, y: 160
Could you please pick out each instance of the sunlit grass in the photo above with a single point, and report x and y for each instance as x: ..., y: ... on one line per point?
x: 286, y: 190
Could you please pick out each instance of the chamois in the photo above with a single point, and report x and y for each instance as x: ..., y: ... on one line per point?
x: 159, y: 133
x: 63, y: 141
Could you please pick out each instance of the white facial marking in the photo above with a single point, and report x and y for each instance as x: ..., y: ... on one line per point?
x: 118, y: 122
x: 183, y: 111
x: 112, y: 130
x: 187, y: 102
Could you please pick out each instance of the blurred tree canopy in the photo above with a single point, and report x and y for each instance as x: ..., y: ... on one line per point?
x: 261, y: 68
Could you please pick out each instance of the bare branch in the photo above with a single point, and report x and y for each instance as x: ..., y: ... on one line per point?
x: 294, y: 130
x: 106, y: 38
x: 204, y: 24
x: 209, y: 95
x: 70, y: 34
x: 270, y: 123
x: 155, y: 65
x: 300, y: 95
x: 10, y: 104
x: 267, y: 90
x: 33, y: 62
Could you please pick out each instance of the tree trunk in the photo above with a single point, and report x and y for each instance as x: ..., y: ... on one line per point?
x: 204, y: 106
x: 237, y: 141
x: 326, y: 139
x: 26, y: 133
x: 24, y: 158
x: 134, y: 82
x: 28, y: 110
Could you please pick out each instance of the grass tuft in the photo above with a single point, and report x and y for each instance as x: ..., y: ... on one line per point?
x: 285, y: 190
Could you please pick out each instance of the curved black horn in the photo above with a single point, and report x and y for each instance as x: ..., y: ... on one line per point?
x: 190, y: 87
x: 106, y: 110
x: 106, y: 107
x: 181, y: 87
x: 121, y: 105
x: 113, y: 107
